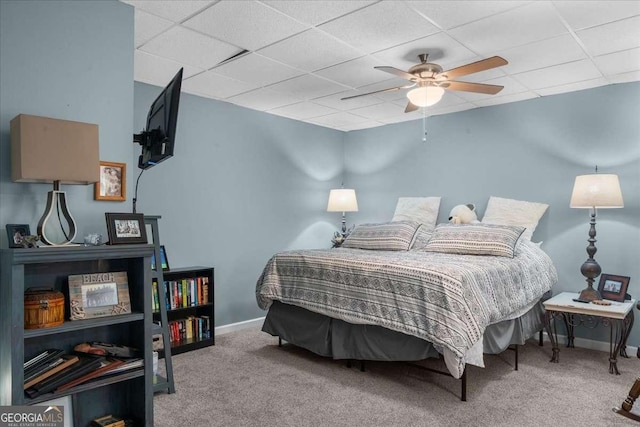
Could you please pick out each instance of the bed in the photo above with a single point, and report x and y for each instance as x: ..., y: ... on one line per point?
x: 394, y: 293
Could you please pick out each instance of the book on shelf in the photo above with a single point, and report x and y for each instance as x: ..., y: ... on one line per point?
x: 104, y: 367
x: 54, y: 367
x: 38, y: 359
x: 83, y: 366
x: 182, y: 293
x: 129, y: 364
x: 192, y: 328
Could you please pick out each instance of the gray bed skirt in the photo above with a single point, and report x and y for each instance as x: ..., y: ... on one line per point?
x: 338, y: 339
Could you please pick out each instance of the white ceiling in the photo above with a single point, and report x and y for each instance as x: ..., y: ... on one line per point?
x: 303, y: 56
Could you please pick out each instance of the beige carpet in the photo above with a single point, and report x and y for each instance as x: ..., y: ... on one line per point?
x: 247, y: 380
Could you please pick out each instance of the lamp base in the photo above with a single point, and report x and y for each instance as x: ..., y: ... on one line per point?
x: 589, y: 294
x: 56, y: 203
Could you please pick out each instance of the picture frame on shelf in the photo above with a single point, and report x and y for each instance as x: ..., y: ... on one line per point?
x: 164, y: 260
x: 16, y: 234
x: 613, y: 287
x: 126, y: 228
x: 98, y: 295
x: 112, y: 185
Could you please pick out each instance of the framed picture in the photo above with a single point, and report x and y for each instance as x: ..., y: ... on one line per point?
x: 16, y: 234
x: 98, y: 295
x: 113, y: 182
x: 164, y: 261
x: 126, y: 228
x: 613, y: 287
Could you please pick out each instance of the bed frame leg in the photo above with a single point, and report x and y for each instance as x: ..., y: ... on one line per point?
x: 362, y: 366
x: 540, y: 343
x: 517, y: 356
x: 348, y: 363
x: 463, y: 391
x: 279, y: 342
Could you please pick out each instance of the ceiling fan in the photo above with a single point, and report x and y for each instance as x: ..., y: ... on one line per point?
x: 431, y: 81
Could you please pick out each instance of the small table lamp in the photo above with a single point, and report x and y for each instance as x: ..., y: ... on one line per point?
x: 342, y: 200
x: 45, y: 150
x: 592, y: 192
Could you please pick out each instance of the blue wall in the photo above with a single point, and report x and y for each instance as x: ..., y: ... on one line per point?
x: 530, y: 150
x: 72, y: 61
x: 241, y: 186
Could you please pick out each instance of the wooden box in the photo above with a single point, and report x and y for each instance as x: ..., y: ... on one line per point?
x: 43, y: 308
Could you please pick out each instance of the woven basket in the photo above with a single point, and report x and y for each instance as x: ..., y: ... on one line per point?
x: 43, y: 308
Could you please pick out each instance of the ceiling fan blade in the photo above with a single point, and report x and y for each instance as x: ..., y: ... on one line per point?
x: 410, y: 107
x: 475, y: 67
x: 399, y: 73
x: 473, y: 87
x: 377, y: 91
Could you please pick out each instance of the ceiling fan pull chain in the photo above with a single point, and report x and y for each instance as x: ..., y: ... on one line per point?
x: 424, y: 125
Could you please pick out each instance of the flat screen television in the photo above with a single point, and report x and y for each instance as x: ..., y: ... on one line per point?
x: 158, y: 139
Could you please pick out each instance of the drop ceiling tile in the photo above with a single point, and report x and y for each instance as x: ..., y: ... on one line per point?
x: 380, y: 26
x: 263, y: 99
x: 148, y: 26
x: 175, y: 11
x: 310, y: 51
x: 335, y: 101
x: 449, y: 14
x: 449, y: 110
x: 215, y: 85
x: 257, y: 69
x: 379, y: 111
x: 572, y: 87
x: 247, y: 24
x: 559, y: 75
x: 633, y: 76
x: 308, y: 86
x: 189, y: 47
x: 506, y: 99
x: 363, y: 125
x: 619, y: 62
x: 584, y: 14
x: 613, y: 37
x: 441, y: 47
x: 158, y: 71
x: 530, y: 23
x: 317, y: 11
x: 340, y: 119
x: 545, y: 53
x: 354, y: 73
x: 303, y: 110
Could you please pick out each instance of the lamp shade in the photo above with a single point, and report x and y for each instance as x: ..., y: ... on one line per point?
x: 342, y: 200
x: 596, y: 191
x: 425, y: 96
x: 47, y: 150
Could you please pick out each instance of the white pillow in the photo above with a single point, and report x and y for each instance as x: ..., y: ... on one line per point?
x: 514, y: 212
x: 423, y: 210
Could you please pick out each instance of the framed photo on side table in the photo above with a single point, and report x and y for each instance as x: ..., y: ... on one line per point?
x: 125, y: 228
x: 113, y: 182
x: 613, y: 287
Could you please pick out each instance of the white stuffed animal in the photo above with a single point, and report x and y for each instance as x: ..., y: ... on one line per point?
x: 463, y: 214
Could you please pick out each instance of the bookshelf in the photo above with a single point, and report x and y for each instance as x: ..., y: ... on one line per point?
x: 129, y: 394
x: 184, y: 307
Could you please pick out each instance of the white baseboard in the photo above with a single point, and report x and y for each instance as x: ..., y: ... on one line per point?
x: 232, y: 327
x: 589, y: 344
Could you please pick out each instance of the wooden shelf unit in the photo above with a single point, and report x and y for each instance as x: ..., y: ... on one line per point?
x: 129, y: 394
x: 206, y: 309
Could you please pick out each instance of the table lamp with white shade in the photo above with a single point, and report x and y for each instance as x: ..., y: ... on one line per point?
x: 592, y: 192
x: 343, y: 200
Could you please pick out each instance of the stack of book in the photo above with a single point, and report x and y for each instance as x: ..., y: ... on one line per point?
x: 54, y: 371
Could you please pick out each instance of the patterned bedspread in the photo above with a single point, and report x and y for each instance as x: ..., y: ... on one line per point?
x: 446, y: 299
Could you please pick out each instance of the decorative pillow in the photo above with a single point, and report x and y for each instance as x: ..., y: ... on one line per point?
x: 423, y: 210
x: 514, y: 212
x: 475, y: 239
x: 389, y: 236
x: 421, y: 238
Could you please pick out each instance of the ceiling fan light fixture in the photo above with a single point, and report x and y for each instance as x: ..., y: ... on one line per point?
x: 425, y: 96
